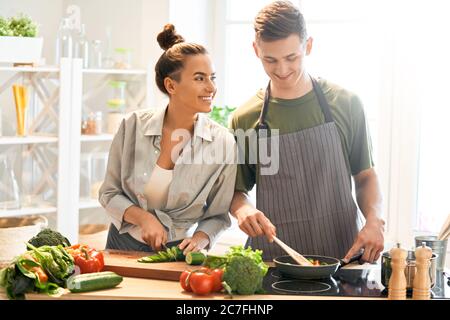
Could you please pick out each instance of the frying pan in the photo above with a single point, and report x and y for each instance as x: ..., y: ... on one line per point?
x: 288, y: 267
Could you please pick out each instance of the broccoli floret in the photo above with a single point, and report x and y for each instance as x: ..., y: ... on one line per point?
x: 243, y: 275
x: 50, y: 238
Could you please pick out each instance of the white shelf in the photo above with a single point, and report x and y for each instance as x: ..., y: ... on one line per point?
x: 56, y: 69
x: 11, y: 140
x: 116, y: 71
x: 99, y: 137
x: 25, y: 211
x: 30, y: 69
x: 89, y: 204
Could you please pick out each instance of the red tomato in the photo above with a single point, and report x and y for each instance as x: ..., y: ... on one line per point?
x: 201, y: 283
x: 183, y: 281
x: 217, y: 276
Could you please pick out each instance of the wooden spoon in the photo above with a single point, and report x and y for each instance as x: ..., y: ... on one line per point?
x: 301, y: 260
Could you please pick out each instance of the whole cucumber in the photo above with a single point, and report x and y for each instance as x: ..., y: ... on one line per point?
x: 93, y: 281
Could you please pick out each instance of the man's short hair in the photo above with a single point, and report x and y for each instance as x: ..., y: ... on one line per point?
x: 278, y: 20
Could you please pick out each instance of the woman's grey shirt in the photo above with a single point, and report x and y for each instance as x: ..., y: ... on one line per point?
x: 200, y: 192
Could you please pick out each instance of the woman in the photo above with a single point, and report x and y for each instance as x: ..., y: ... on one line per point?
x: 154, y: 193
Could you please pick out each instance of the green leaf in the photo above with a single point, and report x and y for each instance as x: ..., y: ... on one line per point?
x: 221, y: 114
x: 22, y: 26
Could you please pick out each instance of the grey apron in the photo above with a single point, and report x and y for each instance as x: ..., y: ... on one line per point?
x: 310, y: 199
x: 124, y: 241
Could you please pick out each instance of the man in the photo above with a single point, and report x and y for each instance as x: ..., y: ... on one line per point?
x: 323, y: 142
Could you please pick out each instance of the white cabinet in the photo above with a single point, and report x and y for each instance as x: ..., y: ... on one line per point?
x: 47, y: 160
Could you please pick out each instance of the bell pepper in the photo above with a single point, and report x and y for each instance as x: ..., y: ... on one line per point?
x: 87, y: 259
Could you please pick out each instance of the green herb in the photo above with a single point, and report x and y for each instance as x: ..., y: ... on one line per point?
x: 221, y: 114
x: 5, y: 31
x: 19, y: 26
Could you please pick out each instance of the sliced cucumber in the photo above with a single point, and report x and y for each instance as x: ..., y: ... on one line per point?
x: 179, y: 256
x: 195, y: 258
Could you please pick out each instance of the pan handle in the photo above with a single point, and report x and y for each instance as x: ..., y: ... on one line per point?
x: 356, y: 257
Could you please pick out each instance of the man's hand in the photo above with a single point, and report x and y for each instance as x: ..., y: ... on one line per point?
x: 370, y: 238
x: 153, y: 232
x: 250, y: 220
x: 198, y: 242
x: 254, y: 223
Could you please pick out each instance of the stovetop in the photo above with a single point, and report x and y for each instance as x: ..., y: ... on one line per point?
x: 345, y: 282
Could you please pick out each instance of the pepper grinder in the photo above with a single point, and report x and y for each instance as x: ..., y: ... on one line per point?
x: 422, y: 281
x: 397, y: 281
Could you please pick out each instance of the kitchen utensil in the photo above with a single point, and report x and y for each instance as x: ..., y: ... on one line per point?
x: 421, y: 283
x: 410, y: 270
x: 397, y: 282
x: 125, y: 264
x: 287, y: 266
x: 301, y: 260
x: 439, y: 247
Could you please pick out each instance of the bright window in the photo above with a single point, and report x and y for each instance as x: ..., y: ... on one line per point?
x: 345, y: 51
x: 394, y: 56
x: 433, y: 204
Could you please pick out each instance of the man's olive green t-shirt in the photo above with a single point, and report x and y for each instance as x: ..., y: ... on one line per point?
x: 292, y: 115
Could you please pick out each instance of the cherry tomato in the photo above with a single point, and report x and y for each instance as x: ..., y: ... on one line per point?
x: 201, y: 283
x: 217, y: 276
x: 183, y: 281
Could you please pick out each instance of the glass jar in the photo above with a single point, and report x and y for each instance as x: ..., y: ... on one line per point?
x: 98, y: 122
x: 122, y: 58
x: 96, y: 55
x: 84, y: 124
x: 89, y: 125
x: 116, y: 100
x: 9, y: 189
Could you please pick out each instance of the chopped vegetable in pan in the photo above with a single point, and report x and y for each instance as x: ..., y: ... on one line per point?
x: 317, y: 262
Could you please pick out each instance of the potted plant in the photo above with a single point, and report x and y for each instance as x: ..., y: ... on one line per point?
x: 18, y: 40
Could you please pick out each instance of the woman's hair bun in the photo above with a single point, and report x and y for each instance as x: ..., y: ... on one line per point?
x: 168, y: 37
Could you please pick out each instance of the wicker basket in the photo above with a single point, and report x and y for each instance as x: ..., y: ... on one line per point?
x: 15, y: 232
x: 94, y: 235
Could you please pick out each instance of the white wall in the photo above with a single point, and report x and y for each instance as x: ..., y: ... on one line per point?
x: 193, y: 20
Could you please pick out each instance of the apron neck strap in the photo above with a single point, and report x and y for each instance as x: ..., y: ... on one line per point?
x: 265, y: 107
x: 322, y: 101
x: 324, y: 106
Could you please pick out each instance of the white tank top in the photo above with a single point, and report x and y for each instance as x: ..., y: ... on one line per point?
x: 157, y: 188
x: 156, y: 191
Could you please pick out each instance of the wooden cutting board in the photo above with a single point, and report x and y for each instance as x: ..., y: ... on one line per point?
x: 125, y: 264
